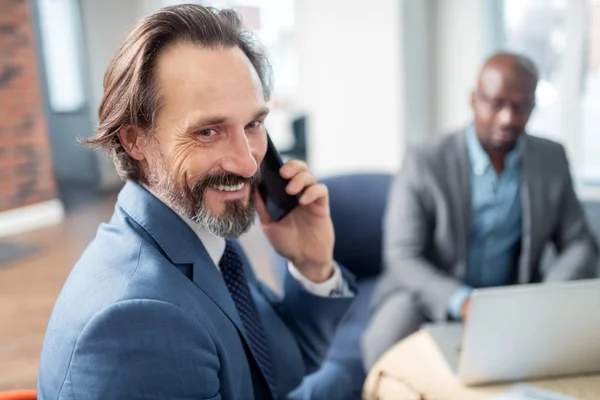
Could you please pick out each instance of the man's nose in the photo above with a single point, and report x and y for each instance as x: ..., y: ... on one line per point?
x: 239, y: 159
x: 507, y: 115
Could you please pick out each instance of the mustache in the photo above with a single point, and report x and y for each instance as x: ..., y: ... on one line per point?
x: 222, y: 178
x: 508, y: 128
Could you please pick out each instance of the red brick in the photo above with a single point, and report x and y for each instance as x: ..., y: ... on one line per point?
x: 7, y: 192
x: 22, y: 98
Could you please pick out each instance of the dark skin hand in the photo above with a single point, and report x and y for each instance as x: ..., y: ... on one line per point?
x: 464, y: 310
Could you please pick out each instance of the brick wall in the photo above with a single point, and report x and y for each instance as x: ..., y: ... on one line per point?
x: 26, y: 175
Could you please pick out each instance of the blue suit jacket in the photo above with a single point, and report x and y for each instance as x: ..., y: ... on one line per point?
x: 145, y: 314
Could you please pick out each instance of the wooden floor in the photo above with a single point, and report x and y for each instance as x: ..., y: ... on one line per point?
x: 30, y: 286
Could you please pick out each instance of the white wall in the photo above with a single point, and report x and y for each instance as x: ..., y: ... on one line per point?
x: 443, y: 47
x: 350, y: 80
x: 458, y: 43
x: 417, y: 56
x: 379, y: 76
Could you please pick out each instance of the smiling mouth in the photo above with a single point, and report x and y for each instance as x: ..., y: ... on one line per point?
x: 229, y: 188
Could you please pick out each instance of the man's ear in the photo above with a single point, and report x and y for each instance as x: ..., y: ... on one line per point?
x: 133, y: 142
x: 473, y: 100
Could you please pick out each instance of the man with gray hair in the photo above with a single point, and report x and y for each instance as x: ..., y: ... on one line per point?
x: 163, y: 304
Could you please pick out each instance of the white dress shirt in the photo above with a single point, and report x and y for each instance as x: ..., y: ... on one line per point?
x: 336, y: 286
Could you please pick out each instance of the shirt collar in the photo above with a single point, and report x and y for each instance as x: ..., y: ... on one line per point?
x: 214, y: 245
x: 480, y: 160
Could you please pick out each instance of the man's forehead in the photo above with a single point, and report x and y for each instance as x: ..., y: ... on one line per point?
x: 212, y: 80
x: 507, y: 81
x: 185, y: 64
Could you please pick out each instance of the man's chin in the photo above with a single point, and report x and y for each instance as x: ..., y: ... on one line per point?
x: 220, y: 209
x: 229, y: 219
x: 504, y: 140
x: 500, y: 144
x: 504, y: 146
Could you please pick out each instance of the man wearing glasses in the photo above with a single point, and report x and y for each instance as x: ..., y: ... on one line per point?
x: 476, y: 209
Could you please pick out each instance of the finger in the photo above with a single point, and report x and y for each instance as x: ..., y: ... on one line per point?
x: 315, y: 193
x: 291, y: 168
x: 299, y: 182
x: 261, y: 210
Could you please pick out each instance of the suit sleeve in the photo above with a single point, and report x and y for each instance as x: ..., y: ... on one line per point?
x: 311, y: 318
x: 408, y: 232
x: 144, y: 349
x: 330, y: 381
x: 577, y: 247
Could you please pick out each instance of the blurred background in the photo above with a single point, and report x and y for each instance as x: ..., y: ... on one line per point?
x: 356, y: 84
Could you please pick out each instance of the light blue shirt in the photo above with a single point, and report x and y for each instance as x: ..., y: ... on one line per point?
x: 496, y: 221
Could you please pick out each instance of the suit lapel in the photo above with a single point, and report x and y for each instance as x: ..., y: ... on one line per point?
x: 530, y: 199
x: 211, y: 282
x: 182, y: 246
x: 462, y: 198
x: 208, y: 278
x: 179, y: 243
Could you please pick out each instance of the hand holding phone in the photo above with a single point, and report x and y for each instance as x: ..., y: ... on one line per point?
x: 272, y: 185
x: 306, y: 236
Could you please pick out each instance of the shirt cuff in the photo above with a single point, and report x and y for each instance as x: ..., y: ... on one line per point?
x: 457, y: 300
x: 336, y: 286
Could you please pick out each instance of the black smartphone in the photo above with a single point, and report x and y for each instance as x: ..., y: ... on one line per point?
x: 272, y: 186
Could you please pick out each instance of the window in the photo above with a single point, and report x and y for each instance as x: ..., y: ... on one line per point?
x: 590, y: 100
x: 536, y: 28
x: 61, y: 45
x: 563, y: 39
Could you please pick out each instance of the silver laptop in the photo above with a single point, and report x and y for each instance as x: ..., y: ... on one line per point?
x: 525, y: 332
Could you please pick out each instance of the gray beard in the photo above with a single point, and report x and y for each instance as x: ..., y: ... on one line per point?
x: 235, y: 220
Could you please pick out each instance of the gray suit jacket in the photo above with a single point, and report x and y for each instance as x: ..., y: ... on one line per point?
x: 427, y: 222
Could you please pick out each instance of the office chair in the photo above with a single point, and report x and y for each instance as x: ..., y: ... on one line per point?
x: 357, y: 203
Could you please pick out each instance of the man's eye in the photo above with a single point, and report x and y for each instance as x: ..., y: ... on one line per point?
x: 497, y: 105
x: 207, y: 132
x: 254, y: 124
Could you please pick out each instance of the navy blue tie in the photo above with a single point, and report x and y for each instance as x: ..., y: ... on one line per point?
x: 232, y: 269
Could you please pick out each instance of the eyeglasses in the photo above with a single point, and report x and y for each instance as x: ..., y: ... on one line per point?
x: 497, y: 105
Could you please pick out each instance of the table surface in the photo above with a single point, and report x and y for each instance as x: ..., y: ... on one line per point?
x: 415, y: 369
